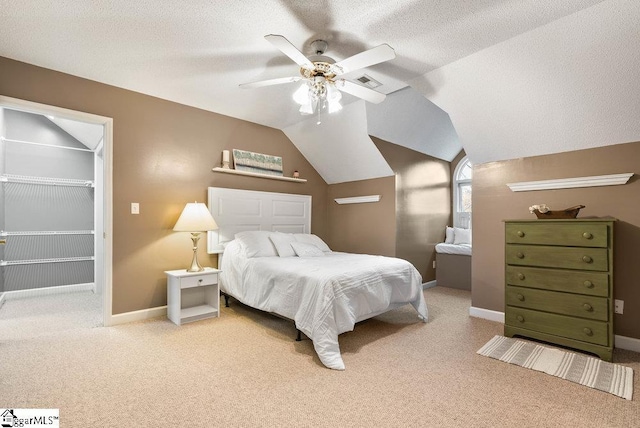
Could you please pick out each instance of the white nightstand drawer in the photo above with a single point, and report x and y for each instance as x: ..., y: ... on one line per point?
x: 198, y: 280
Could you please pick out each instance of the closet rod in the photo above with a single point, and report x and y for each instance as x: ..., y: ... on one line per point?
x: 48, y: 233
x: 45, y: 145
x: 41, y: 261
x: 25, y: 179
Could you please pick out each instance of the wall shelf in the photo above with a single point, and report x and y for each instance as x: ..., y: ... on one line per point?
x: 358, y: 199
x: 258, y: 175
x: 571, y: 183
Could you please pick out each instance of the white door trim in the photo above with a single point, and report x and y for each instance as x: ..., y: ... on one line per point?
x: 107, y: 179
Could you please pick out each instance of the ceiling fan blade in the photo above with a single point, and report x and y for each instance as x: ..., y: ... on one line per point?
x: 361, y: 92
x: 289, y: 50
x: 278, y: 81
x: 364, y: 59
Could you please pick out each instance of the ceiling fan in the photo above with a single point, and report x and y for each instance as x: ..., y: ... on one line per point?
x: 322, y: 84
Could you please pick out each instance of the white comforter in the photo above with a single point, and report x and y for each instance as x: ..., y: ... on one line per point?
x: 325, y: 296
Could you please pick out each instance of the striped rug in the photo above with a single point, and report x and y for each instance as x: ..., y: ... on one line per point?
x: 589, y: 371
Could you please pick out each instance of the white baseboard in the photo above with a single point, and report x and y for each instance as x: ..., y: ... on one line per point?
x: 429, y: 284
x: 141, y: 315
x: 628, y: 343
x: 622, y: 342
x: 48, y: 291
x: 486, y: 314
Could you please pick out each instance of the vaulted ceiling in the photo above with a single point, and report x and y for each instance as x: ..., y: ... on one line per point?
x: 500, y: 78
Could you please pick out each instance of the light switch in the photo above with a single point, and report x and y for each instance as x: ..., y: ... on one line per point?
x: 135, y: 208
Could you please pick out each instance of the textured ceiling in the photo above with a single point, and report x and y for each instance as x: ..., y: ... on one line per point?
x: 198, y: 52
x: 569, y: 85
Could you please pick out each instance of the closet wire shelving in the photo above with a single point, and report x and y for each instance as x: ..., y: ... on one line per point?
x: 50, y: 181
x: 27, y: 179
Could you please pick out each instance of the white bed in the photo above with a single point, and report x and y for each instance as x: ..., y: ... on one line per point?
x: 326, y: 293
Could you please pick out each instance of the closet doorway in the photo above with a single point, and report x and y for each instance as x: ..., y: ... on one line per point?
x: 55, y: 220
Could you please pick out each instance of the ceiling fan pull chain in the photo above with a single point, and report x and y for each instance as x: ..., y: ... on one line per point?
x: 318, y: 108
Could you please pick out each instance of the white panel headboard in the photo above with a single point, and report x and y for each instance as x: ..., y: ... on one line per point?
x: 239, y: 210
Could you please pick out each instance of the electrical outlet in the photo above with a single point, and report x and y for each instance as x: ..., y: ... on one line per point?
x: 619, y: 306
x: 135, y: 208
x: 434, y: 264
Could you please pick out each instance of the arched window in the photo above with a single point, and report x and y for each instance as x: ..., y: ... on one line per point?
x: 462, y: 193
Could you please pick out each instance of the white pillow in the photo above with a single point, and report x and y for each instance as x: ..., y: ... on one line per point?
x: 256, y: 243
x: 282, y: 242
x: 448, y: 235
x: 308, y: 238
x: 303, y: 249
x: 461, y: 236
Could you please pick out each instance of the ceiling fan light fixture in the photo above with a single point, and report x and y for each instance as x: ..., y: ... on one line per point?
x: 321, y: 75
x: 334, y: 106
x: 307, y: 108
x: 301, y: 95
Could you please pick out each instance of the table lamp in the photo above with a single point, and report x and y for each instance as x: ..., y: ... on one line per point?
x: 195, y: 218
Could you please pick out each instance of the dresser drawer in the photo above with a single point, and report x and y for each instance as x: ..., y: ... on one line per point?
x: 558, y: 257
x: 577, y: 305
x: 198, y: 280
x: 570, y: 281
x: 579, y: 234
x: 559, y: 325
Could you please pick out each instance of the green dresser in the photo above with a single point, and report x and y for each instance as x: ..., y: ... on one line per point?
x: 559, y: 282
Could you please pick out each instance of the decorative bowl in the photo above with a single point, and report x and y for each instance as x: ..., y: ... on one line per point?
x: 558, y: 214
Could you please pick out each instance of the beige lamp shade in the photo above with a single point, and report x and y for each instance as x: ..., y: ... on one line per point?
x: 195, y: 218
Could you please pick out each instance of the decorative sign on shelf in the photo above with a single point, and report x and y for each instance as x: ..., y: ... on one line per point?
x: 257, y: 162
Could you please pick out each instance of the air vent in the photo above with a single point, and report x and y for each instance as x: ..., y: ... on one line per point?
x: 368, y: 81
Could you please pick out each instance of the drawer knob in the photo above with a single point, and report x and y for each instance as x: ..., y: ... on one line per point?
x: 520, y: 297
x: 587, y: 235
x: 588, y: 284
x: 521, y: 276
x: 587, y: 331
x: 200, y: 280
x: 587, y: 259
x: 520, y: 318
x: 587, y: 307
x: 520, y: 233
x: 520, y: 255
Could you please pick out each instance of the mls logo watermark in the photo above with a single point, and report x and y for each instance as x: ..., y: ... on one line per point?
x: 10, y: 418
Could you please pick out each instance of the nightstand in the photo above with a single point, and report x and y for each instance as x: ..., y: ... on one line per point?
x: 192, y: 296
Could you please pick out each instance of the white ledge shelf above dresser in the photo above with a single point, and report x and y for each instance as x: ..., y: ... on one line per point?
x: 571, y: 183
x: 258, y: 175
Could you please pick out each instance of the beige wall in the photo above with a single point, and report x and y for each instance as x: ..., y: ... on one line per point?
x: 493, y: 202
x: 423, y: 204
x: 163, y: 153
x: 368, y: 228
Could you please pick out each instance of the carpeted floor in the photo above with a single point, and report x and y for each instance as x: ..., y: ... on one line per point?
x: 44, y: 315
x: 245, y: 370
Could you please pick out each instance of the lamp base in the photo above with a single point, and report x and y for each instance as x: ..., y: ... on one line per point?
x: 195, y: 266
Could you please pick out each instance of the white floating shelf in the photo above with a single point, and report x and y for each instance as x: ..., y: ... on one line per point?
x: 257, y: 174
x: 358, y: 199
x: 570, y: 183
